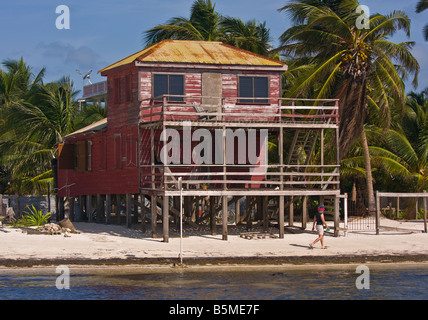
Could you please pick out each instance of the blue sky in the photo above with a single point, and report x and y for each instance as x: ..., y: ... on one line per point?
x: 102, y: 32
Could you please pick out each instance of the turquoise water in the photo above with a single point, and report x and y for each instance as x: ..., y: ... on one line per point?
x: 276, y: 284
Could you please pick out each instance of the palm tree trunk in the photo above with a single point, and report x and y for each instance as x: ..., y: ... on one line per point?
x: 369, y: 177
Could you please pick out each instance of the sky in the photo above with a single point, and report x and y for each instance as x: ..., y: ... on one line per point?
x: 103, y: 32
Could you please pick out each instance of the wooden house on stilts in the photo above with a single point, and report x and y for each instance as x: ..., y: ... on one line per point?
x: 213, y: 115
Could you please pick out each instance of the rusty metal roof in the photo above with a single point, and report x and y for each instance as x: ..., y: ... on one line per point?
x: 196, y: 52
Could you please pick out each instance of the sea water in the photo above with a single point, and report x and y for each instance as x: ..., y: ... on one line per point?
x: 279, y: 283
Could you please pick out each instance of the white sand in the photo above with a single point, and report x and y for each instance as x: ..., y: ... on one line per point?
x: 100, y: 241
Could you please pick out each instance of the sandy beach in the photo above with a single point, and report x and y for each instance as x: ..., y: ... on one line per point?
x: 398, y: 241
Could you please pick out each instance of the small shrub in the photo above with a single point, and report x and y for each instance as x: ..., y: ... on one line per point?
x: 33, y: 217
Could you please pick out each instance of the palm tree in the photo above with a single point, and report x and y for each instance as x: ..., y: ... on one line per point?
x: 361, y: 67
x: 205, y: 24
x: 31, y: 129
x: 421, y: 6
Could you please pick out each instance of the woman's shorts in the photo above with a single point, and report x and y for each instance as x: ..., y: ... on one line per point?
x: 320, y: 230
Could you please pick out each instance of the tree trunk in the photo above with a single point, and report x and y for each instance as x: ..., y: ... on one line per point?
x: 369, y: 179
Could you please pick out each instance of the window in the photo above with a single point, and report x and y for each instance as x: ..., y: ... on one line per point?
x: 253, y: 87
x: 168, y: 84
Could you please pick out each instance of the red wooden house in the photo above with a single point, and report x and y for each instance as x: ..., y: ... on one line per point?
x: 175, y: 85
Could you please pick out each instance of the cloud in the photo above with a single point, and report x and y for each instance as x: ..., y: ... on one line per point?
x: 76, y: 57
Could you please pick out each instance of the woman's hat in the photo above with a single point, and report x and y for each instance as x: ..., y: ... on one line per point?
x: 321, y: 208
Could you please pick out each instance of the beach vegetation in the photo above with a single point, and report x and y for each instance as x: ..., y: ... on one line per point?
x: 32, y: 217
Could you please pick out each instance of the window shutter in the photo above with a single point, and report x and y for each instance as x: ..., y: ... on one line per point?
x: 66, y: 156
x: 81, y: 156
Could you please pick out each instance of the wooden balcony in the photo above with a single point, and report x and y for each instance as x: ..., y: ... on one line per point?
x: 235, y: 112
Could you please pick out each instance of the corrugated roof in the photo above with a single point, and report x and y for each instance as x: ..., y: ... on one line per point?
x: 199, y: 52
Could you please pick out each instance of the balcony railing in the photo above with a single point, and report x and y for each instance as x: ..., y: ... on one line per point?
x: 193, y: 108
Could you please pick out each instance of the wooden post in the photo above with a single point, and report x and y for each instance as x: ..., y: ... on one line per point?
x: 224, y: 216
x: 80, y: 217
x: 213, y: 224
x: 237, y: 211
x: 118, y: 209
x: 135, y: 216
x: 304, y: 211
x: 336, y: 215
x: 165, y: 220
x: 143, y: 212
x: 72, y: 202
x: 89, y: 207
x: 128, y: 210
x: 61, y: 208
x: 108, y: 208
x: 378, y: 211
x: 265, y: 213
x: 281, y: 217
x: 99, y: 200
x: 291, y: 212
x: 153, y: 206
x: 425, y: 213
x: 398, y: 207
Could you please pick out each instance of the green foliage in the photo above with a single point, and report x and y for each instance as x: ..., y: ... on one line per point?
x: 33, y: 217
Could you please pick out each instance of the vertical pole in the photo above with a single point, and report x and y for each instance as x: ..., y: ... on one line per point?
x: 377, y: 211
x: 336, y: 215
x: 143, y: 212
x: 118, y: 209
x: 425, y: 213
x: 72, y: 208
x: 89, y: 207
x: 154, y: 215
x: 345, y: 211
x: 281, y: 217
x: 128, y: 210
x: 224, y: 215
x: 108, y: 208
x: 398, y: 207
x: 291, y: 212
x: 181, y: 219
x: 304, y: 211
x: 98, y: 208
x: 265, y: 213
x: 237, y: 211
x: 213, y: 224
x: 165, y: 220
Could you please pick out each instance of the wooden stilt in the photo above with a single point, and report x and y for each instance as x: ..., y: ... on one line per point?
x: 143, y: 212
x: 224, y: 216
x: 265, y: 214
x: 72, y: 202
x: 108, y: 208
x: 165, y: 220
x: 304, y: 212
x: 135, y: 210
x: 118, y: 209
x: 213, y: 225
x: 291, y: 212
x: 336, y: 215
x: 89, y: 207
x: 99, y: 200
x: 128, y: 210
x: 281, y: 217
x: 153, y: 206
